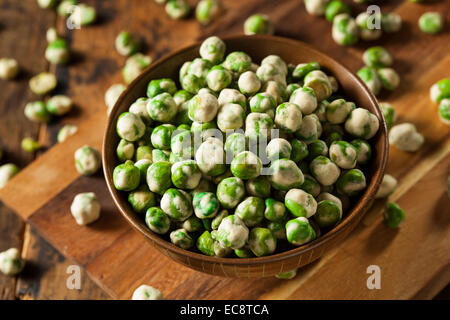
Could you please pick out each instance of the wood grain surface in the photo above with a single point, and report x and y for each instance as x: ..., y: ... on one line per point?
x: 414, y: 259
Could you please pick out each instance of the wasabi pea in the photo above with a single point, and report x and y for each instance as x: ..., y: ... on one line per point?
x: 391, y: 22
x: 328, y: 196
x: 262, y: 242
x: 310, y: 185
x: 335, y: 8
x: 377, y: 57
x: 387, y: 187
x: 285, y: 175
x: 156, y: 87
x: 37, y: 112
x: 139, y: 108
x: 145, y: 292
x: 205, y: 205
x: 338, y: 111
x: 328, y: 214
x: 162, y: 135
x: 215, y: 223
x: 238, y: 62
x: 7, y: 172
x: 160, y: 155
x: 249, y: 83
x: 316, y: 7
x: 300, y: 203
x: 310, y: 129
x: 176, y: 204
x: 143, y: 166
x: 246, y: 165
x: 271, y: 72
x: 275, y: 210
x: 288, y: 117
x: 389, y: 78
x: 83, y: 15
x: 230, y: 117
x: 43, y: 83
x: 177, y: 9
x: 440, y: 90
x: 299, y: 150
x: 299, y: 231
x: 230, y: 192
x: 205, y: 244
x: 405, y: 137
x: 351, y: 182
x: 394, y: 216
x: 59, y: 105
x: 288, y: 275
x: 364, y: 151
x: 210, y: 157
x: 444, y: 111
x: 46, y: 4
x: 218, y: 78
x: 232, y: 96
x: 251, y: 211
x: 162, y: 108
x: 431, y: 22
x: 235, y: 143
x: 11, y: 263
x: 57, y: 52
x: 134, y: 66
x: 159, y: 177
x: 186, y: 174
x: 51, y: 35
x: 361, y: 123
x: 87, y: 160
x: 324, y: 170
x: 85, y: 208
x: 130, y: 127
x: 207, y: 11
x: 345, y: 30
x: 277, y: 90
x: 278, y: 229
x: 232, y: 232
x: 388, y: 113
x: 258, y: 126
x: 317, y: 148
x: 213, y: 49
x: 30, y: 145
x: 344, y: 154
x: 366, y: 31
x: 192, y: 83
x: 258, y: 187
x: 258, y: 24
x: 144, y: 152
x: 305, y: 98
x: 65, y: 132
x: 319, y: 82
x: 192, y: 224
x: 203, y: 107
x: 290, y: 88
x: 157, y: 220
x: 126, y: 176
x: 65, y: 7
x: 371, y: 79
x: 9, y: 68
x: 278, y: 148
x: 112, y: 94
x: 181, y: 239
x: 302, y: 69
x: 141, y: 199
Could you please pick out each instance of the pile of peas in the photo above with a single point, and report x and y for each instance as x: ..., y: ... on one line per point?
x: 194, y: 165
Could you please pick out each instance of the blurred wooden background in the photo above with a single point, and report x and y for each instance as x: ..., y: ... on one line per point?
x: 96, y: 65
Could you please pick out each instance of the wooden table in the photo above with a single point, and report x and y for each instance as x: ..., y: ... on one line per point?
x: 420, y: 59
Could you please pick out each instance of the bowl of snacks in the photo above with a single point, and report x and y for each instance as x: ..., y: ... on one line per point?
x: 249, y: 156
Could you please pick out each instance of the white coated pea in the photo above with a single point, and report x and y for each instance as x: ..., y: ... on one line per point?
x: 85, y: 208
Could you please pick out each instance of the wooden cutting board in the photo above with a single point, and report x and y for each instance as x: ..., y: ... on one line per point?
x: 414, y: 260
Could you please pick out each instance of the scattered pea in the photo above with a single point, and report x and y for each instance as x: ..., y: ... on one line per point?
x: 112, y: 94
x: 7, y: 172
x: 431, y: 22
x: 387, y: 187
x: 30, y: 145
x: 11, y: 263
x: 258, y: 24
x: 394, y: 216
x: 9, y: 68
x: 444, y: 111
x: 37, y: 112
x: 83, y: 15
x: 85, y: 208
x: 207, y: 11
x: 43, y: 83
x: 134, y: 66
x: 405, y: 137
x: 389, y: 78
x: 87, y: 160
x: 145, y: 292
x: 388, y: 113
x: 440, y: 90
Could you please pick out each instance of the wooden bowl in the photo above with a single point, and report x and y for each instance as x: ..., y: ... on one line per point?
x: 257, y: 47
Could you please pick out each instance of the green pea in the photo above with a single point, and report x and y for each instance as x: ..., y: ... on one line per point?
x: 364, y: 151
x: 139, y: 108
x: 144, y: 152
x: 317, y: 148
x: 192, y: 83
x: 299, y: 231
x: 57, y: 52
x: 310, y: 185
x: 370, y: 78
x: 244, y: 253
x: 207, y: 11
x: 87, y: 160
x: 134, y: 66
x: 218, y: 78
x: 292, y: 87
x: 328, y: 214
x: 275, y: 210
x: 126, y: 43
x: 251, y: 211
x: 162, y: 108
x: 246, y: 165
x: 213, y: 49
x: 444, y: 111
x: 335, y: 8
x: 393, y: 215
x: 37, y: 112
x: 285, y: 175
x: 177, y: 9
x: 130, y: 126
x: 258, y: 126
x: 161, y: 136
x: 205, y: 205
x: 324, y: 170
x: 230, y: 192
x: 300, y: 203
x: 299, y: 150
x: 287, y: 275
x: 389, y: 78
x: 182, y: 144
x: 159, y: 177
x: 344, y: 154
x: 126, y: 176
x: 278, y: 149
x: 263, y: 103
x: 30, y: 145
x: 210, y: 157
x: 237, y: 61
x: 204, y: 186
x: 258, y: 187
x: 176, y: 203
x: 143, y: 166
x: 160, y: 155
x: 207, y: 224
x: 205, y: 244
x: 157, y: 220
x: 142, y: 199
x: 278, y: 229
x: 234, y: 145
x: 377, y: 57
x: 83, y: 15
x: 351, y: 182
x: 262, y: 242
x: 232, y: 232
x: 440, y: 90
x: 158, y: 86
x: 181, y: 239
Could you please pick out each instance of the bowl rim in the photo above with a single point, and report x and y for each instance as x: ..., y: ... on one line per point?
x: 357, y: 212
